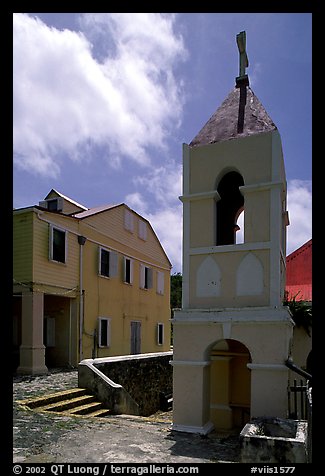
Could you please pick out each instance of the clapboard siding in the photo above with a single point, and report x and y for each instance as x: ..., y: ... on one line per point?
x: 111, y: 224
x: 50, y: 272
x: 23, y: 246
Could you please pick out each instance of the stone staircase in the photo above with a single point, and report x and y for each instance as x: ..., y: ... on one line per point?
x: 75, y: 401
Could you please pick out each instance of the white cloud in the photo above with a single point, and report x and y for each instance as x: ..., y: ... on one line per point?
x: 300, y: 213
x: 164, y: 183
x: 66, y: 99
x: 168, y: 226
x: 158, y: 201
x: 137, y: 202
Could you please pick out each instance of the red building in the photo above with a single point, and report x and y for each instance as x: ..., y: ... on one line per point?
x: 299, y: 273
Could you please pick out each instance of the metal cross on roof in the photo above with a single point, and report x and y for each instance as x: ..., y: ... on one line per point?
x: 243, y: 59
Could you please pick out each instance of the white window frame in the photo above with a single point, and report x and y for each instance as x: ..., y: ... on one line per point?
x: 108, y: 332
x: 160, y: 283
x: 113, y: 263
x: 128, y: 220
x: 51, y: 233
x: 125, y: 259
x: 160, y: 333
x: 142, y: 230
x: 146, y: 277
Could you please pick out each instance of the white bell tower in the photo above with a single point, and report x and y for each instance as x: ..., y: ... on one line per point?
x: 232, y: 326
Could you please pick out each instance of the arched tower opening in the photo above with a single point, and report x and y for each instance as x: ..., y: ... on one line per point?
x: 230, y: 384
x: 229, y: 207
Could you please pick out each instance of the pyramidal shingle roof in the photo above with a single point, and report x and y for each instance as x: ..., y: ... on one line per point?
x: 222, y: 125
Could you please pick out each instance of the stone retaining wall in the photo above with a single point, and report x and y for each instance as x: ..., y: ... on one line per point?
x: 139, y: 378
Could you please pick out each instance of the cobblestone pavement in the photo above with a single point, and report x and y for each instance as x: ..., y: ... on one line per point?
x: 50, y: 438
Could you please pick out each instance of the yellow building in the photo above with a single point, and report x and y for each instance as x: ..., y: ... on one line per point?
x: 87, y: 283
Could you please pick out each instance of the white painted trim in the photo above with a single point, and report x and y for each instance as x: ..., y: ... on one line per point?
x: 186, y: 256
x: 119, y: 358
x: 267, y: 367
x: 233, y: 315
x: 186, y: 227
x: 202, y: 430
x: 277, y: 155
x: 275, y: 237
x: 259, y: 187
x: 208, y: 250
x: 226, y: 330
x: 186, y: 169
x: 200, y: 196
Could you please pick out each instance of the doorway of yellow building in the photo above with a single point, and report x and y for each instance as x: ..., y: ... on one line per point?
x: 230, y: 384
x: 135, y: 337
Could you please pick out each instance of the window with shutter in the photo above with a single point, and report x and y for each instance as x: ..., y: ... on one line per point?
x: 146, y: 277
x: 103, y: 332
x: 128, y: 220
x: 142, y: 230
x: 128, y: 270
x: 160, y: 282
x: 108, y: 263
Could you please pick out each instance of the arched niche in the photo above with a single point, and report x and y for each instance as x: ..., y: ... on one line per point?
x: 249, y: 276
x: 208, y: 278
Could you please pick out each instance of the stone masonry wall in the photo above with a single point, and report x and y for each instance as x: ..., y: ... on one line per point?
x: 143, y: 376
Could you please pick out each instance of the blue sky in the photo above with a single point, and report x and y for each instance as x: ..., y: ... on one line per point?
x: 103, y: 103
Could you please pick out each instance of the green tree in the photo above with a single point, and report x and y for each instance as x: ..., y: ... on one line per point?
x: 175, y: 291
x: 175, y: 297
x: 301, y: 312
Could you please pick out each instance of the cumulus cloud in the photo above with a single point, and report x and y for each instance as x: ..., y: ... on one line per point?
x: 168, y: 226
x: 158, y: 202
x: 67, y: 99
x: 300, y: 213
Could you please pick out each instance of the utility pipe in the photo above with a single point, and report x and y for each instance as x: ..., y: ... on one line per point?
x: 81, y: 241
x: 290, y: 364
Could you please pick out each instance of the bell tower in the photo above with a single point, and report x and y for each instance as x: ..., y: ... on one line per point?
x: 232, y: 292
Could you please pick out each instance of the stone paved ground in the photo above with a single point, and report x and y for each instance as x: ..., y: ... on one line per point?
x: 51, y: 438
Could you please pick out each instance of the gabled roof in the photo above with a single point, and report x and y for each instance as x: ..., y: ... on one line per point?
x: 103, y: 208
x: 94, y: 211
x: 299, y: 273
x: 65, y: 197
x: 222, y: 125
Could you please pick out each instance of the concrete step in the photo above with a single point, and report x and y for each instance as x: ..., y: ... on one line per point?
x: 69, y: 404
x: 75, y: 401
x: 53, y: 397
x: 86, y: 409
x: 102, y: 412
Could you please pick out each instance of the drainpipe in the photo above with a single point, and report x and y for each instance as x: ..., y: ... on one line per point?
x: 289, y: 363
x: 81, y: 241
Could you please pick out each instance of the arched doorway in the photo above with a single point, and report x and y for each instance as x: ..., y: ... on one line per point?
x: 230, y: 384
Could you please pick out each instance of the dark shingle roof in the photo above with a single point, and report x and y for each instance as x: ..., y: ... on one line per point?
x: 222, y: 125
